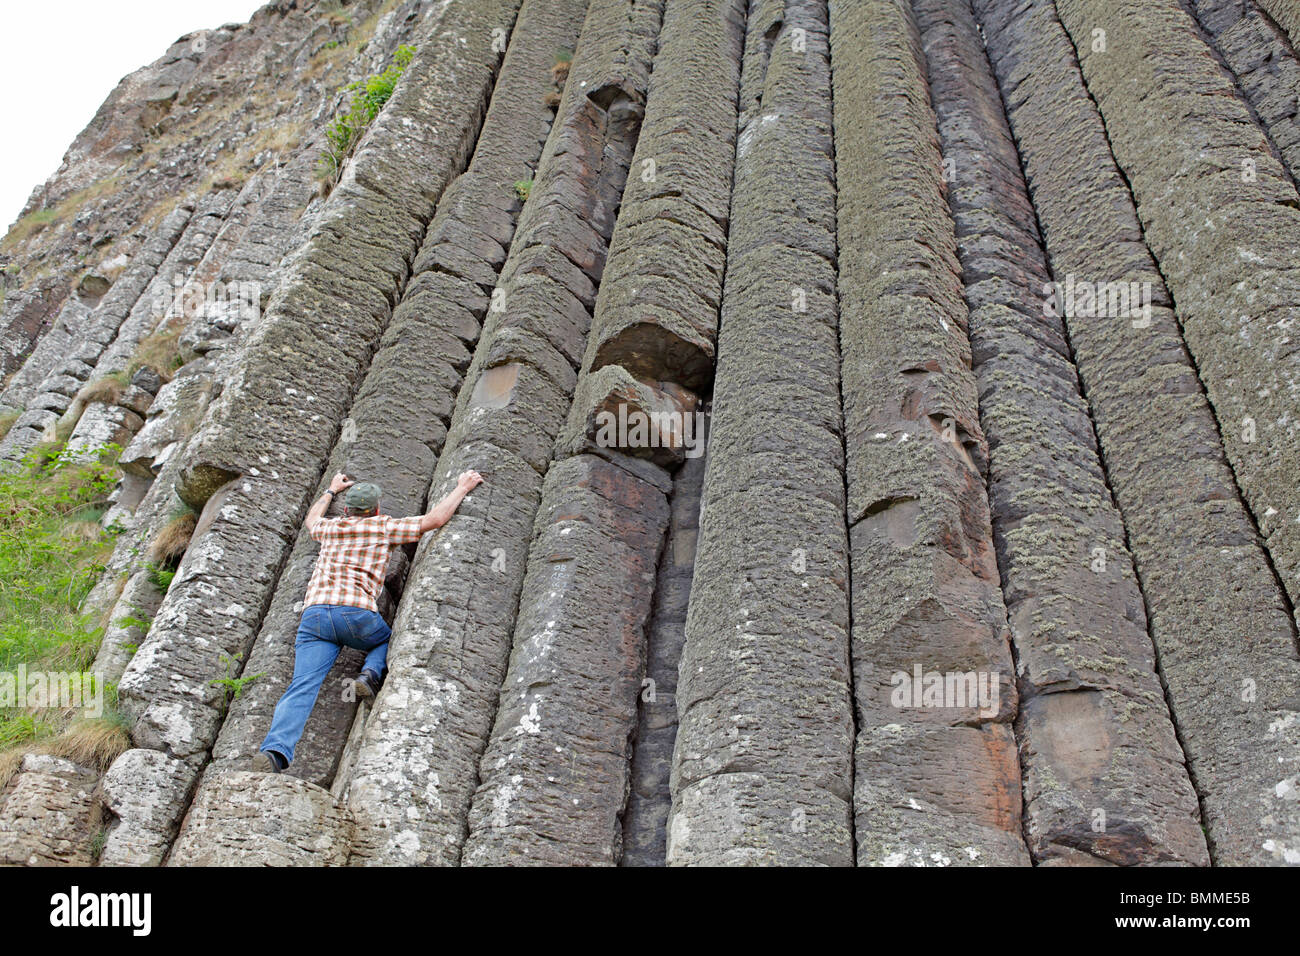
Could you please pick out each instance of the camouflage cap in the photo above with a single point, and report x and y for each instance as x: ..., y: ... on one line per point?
x: 363, y: 496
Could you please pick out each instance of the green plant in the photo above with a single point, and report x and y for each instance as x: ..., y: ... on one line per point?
x: 233, y: 686
x: 368, y: 98
x: 523, y: 189
x: 161, y: 578
x: 130, y: 620
x: 52, y: 550
x: 97, y: 843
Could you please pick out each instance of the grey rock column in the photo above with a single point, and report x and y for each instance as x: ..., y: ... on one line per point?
x: 397, y: 423
x: 1184, y: 151
x: 645, y: 822
x: 416, y: 766
x: 1104, y: 775
x: 554, y: 778
x: 937, y: 778
x: 1264, y: 65
x: 1218, y: 619
x: 280, y: 408
x: 762, y: 764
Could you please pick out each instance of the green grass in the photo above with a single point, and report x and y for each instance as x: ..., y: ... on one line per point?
x: 52, y: 551
x: 368, y: 98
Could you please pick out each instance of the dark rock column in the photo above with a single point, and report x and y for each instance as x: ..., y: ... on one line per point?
x: 1222, y: 218
x: 1264, y: 65
x: 762, y: 766
x: 397, y: 423
x: 1103, y: 772
x: 281, y: 408
x: 645, y: 822
x: 416, y: 766
x: 1217, y: 616
x: 937, y: 778
x: 554, y: 778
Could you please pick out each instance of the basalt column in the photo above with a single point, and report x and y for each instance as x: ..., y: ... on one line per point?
x: 1103, y: 773
x: 1214, y: 202
x: 1264, y: 65
x: 397, y: 423
x: 936, y: 774
x: 264, y: 442
x: 554, y: 778
x: 1217, y: 616
x: 416, y: 767
x: 645, y: 822
x: 762, y: 769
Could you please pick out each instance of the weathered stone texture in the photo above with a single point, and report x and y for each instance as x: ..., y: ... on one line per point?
x: 1216, y: 615
x: 399, y: 415
x: 554, y: 777
x: 934, y: 784
x: 325, y: 318
x: 762, y: 764
x: 415, y: 770
x: 1094, y: 729
x: 1182, y: 151
x: 1264, y: 65
x: 255, y: 819
x: 645, y: 822
x: 144, y: 793
x: 47, y: 814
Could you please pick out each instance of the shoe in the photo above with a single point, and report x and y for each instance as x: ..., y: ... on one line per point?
x: 268, y: 761
x: 367, y: 685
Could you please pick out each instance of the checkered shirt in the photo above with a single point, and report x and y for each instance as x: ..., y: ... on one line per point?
x: 353, y: 557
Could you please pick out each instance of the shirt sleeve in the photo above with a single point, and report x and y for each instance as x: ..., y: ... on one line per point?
x: 404, y: 530
x: 322, y: 528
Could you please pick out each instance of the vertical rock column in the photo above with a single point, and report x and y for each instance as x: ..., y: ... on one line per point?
x: 937, y: 779
x: 645, y: 822
x: 1264, y: 65
x: 416, y: 766
x: 51, y: 396
x: 762, y: 770
x: 1222, y: 219
x: 264, y: 442
x: 102, y: 423
x: 1286, y: 15
x: 1217, y: 616
x: 555, y: 773
x: 397, y: 422
x: 1104, y: 775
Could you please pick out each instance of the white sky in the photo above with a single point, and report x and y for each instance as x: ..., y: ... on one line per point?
x: 59, y: 60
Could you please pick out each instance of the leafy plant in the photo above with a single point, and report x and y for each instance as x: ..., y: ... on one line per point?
x: 368, y: 98
x: 161, y: 578
x: 234, y: 686
x: 523, y: 189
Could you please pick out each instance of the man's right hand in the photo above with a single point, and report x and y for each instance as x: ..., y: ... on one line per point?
x: 469, y: 480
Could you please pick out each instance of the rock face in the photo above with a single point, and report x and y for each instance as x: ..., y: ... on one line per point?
x: 988, y: 554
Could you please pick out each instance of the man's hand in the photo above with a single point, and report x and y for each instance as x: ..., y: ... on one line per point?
x: 341, y: 482
x: 441, y: 513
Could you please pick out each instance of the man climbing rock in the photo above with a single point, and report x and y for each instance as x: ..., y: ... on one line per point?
x: 340, y: 608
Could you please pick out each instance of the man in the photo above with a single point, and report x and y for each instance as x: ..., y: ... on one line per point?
x: 341, y: 607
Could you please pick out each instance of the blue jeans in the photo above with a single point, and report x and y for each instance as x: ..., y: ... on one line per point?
x: 324, y: 631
